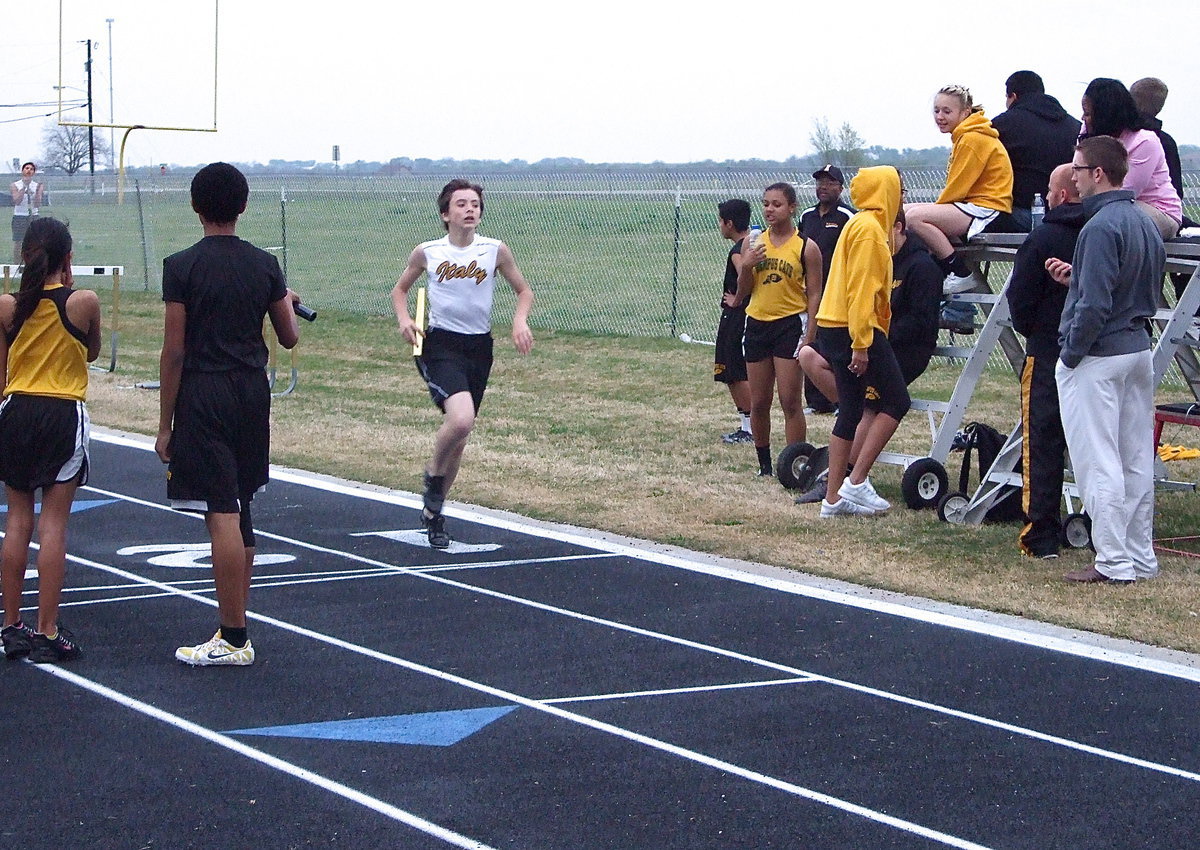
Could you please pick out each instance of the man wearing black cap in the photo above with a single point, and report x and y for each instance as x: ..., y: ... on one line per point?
x: 823, y: 224
x: 1039, y: 136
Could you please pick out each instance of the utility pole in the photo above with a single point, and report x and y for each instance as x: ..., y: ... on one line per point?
x: 91, y: 129
x: 112, y: 148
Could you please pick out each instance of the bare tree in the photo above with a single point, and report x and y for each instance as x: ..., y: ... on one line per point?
x: 851, y: 146
x: 824, y: 142
x: 66, y: 148
x: 844, y: 147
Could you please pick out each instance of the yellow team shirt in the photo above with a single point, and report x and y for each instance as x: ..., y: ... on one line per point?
x: 779, y: 286
x: 48, y: 356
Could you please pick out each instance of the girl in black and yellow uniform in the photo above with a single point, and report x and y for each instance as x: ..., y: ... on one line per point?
x: 781, y: 275
x: 48, y: 334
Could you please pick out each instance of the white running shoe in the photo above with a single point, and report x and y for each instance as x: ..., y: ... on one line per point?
x: 953, y: 283
x: 864, y: 494
x: 843, y: 507
x: 216, y: 651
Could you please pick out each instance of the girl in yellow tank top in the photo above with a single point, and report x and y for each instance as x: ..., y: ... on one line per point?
x: 781, y: 275
x: 779, y: 283
x: 47, y: 332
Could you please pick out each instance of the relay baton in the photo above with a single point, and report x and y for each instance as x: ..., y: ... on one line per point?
x: 420, y: 320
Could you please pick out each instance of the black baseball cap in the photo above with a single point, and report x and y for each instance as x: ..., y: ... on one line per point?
x: 832, y: 172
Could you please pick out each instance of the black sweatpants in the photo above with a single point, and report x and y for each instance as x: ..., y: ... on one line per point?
x: 1044, y: 448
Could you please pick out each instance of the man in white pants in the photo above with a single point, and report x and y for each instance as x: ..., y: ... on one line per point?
x: 1105, y: 373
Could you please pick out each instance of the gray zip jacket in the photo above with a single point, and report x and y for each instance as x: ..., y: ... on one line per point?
x: 1115, y: 272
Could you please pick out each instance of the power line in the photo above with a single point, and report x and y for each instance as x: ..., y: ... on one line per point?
x: 38, y: 104
x: 79, y: 105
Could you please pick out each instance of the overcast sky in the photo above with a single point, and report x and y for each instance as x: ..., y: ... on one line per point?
x: 625, y: 80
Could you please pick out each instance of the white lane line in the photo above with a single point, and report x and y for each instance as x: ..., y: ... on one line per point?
x: 1065, y: 645
x: 1032, y: 734
x: 583, y: 720
x: 699, y: 689
x: 322, y: 782
x: 1075, y: 644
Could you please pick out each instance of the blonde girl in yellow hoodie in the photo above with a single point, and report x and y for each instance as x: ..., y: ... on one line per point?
x: 852, y: 327
x: 979, y: 183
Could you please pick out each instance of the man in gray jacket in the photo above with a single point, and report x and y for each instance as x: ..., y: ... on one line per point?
x: 1105, y: 373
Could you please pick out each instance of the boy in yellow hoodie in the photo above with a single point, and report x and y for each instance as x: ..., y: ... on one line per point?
x: 852, y: 326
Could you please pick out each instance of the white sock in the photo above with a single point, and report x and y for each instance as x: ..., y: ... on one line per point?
x: 745, y: 421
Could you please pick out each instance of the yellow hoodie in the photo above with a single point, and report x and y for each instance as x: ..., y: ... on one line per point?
x: 980, y: 171
x: 858, y: 291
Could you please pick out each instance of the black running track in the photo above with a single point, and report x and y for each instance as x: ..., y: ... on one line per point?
x: 538, y: 687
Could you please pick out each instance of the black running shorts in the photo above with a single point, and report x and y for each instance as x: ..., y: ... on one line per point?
x: 452, y: 362
x: 729, y: 364
x: 221, y: 440
x: 774, y: 338
x: 20, y: 226
x: 43, y: 441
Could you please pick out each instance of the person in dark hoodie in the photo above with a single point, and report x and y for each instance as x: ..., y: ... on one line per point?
x: 1150, y: 95
x: 1105, y: 370
x: 1035, y: 301
x: 1038, y: 135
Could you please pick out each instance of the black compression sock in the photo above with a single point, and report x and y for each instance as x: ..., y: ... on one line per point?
x: 234, y: 637
x: 764, y: 457
x: 435, y: 493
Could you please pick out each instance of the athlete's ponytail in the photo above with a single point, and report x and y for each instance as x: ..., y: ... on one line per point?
x: 45, y: 251
x: 964, y: 97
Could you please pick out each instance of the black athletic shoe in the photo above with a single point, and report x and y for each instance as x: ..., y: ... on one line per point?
x: 765, y: 472
x: 955, y: 326
x: 62, y: 647
x: 813, y: 495
x: 18, y: 640
x: 435, y: 527
x: 739, y: 436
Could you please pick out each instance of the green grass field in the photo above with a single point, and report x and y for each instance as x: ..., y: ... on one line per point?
x: 600, y: 264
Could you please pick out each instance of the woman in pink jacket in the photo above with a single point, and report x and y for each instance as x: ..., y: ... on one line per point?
x: 1109, y: 110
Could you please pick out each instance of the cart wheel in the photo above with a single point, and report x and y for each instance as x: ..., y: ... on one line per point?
x: 924, y: 483
x: 1077, y: 531
x: 953, y: 508
x: 792, y: 467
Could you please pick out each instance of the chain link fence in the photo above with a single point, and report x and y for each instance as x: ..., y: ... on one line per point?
x: 633, y: 253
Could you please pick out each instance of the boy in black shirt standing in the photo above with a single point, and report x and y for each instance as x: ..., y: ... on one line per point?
x: 729, y: 364
x: 215, y: 403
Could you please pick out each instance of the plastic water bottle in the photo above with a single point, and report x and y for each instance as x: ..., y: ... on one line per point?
x: 1039, y: 210
x: 755, y: 236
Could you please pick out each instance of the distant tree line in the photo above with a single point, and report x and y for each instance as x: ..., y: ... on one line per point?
x: 65, y: 149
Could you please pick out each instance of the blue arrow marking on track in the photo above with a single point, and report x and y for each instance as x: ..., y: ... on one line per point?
x: 76, y: 507
x: 431, y: 729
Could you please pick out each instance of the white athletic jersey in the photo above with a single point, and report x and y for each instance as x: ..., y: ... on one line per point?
x: 461, y: 284
x: 24, y: 205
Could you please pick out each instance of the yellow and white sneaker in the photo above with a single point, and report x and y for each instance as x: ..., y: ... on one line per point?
x: 216, y: 651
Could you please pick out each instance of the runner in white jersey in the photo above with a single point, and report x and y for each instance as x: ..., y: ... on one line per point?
x: 456, y: 356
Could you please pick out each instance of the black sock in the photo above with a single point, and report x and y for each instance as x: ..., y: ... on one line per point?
x: 435, y: 493
x: 958, y: 265
x: 234, y: 637
x: 764, y: 457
